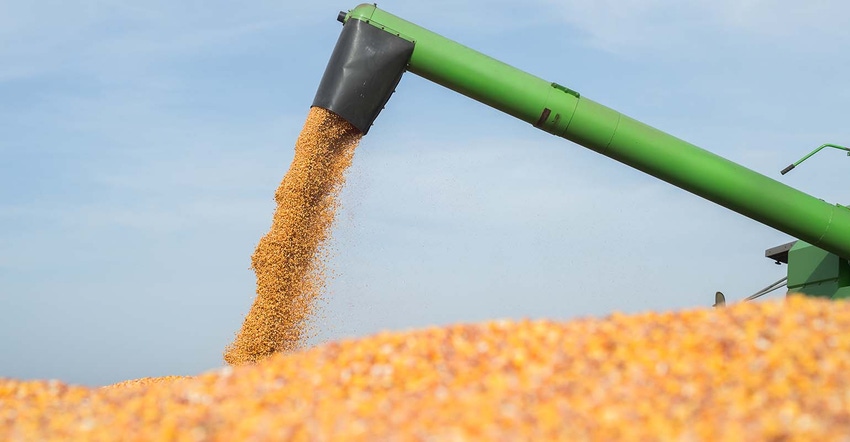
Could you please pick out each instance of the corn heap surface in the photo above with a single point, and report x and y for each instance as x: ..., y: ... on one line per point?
x: 757, y: 371
x: 287, y: 261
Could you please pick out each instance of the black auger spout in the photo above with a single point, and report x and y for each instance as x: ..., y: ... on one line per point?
x: 364, y: 69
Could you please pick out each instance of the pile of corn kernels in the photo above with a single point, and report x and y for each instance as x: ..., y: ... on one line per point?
x: 777, y: 370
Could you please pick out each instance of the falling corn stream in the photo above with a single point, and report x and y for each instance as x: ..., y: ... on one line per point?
x: 286, y: 261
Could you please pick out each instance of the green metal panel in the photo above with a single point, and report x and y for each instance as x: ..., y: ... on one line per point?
x: 816, y: 272
x: 842, y: 293
x: 565, y: 113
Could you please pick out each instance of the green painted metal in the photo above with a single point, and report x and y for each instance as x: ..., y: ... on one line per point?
x: 816, y: 272
x: 842, y: 293
x: 476, y: 75
x: 818, y: 149
x: 565, y: 113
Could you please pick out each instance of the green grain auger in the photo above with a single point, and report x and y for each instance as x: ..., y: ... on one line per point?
x: 375, y: 48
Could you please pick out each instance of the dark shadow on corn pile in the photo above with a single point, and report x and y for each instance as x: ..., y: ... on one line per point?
x: 756, y: 371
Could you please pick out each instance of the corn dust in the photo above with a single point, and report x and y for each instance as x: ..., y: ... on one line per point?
x: 286, y: 261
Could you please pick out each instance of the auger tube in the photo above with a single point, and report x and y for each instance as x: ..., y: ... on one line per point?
x: 565, y: 113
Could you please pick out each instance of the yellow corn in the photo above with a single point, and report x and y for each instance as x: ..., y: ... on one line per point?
x: 757, y: 371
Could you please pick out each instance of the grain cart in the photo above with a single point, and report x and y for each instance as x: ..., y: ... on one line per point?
x: 375, y: 48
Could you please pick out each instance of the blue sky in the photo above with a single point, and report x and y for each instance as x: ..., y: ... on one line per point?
x: 141, y: 145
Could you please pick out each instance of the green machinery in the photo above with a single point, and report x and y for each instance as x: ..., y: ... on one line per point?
x: 375, y: 48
